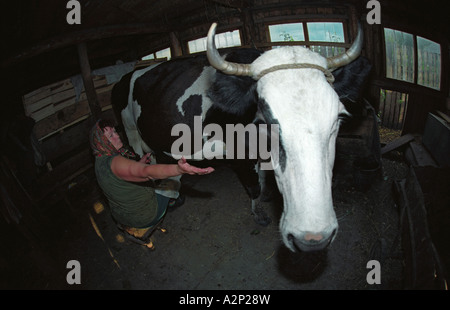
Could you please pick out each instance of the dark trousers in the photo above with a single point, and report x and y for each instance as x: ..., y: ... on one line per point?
x: 163, y: 201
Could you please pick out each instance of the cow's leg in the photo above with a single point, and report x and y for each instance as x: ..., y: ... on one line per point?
x: 250, y: 179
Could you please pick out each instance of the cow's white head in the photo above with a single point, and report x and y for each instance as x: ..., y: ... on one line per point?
x: 301, y: 100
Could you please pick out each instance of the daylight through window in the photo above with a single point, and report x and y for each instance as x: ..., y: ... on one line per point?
x: 401, y: 54
x: 329, y: 32
x: 429, y: 63
x: 222, y: 40
x: 165, y: 53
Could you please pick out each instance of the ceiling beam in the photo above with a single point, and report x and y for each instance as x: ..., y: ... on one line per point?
x: 81, y: 36
x: 235, y: 4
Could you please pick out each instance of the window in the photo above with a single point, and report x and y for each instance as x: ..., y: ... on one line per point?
x: 286, y: 32
x: 403, y: 50
x: 392, y: 109
x: 222, y: 40
x: 165, y: 53
x: 326, y: 32
x: 148, y: 57
x: 399, y: 55
x: 429, y: 63
x: 323, y: 32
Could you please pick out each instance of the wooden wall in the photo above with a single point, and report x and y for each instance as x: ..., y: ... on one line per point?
x: 62, y: 125
x: 62, y: 121
x: 253, y: 24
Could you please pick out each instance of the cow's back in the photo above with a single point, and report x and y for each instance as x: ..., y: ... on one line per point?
x: 174, y: 92
x: 170, y: 94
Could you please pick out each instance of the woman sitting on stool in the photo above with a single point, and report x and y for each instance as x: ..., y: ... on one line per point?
x: 122, y: 176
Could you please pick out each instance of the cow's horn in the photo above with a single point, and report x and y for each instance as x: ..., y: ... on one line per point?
x: 350, y: 55
x: 218, y: 62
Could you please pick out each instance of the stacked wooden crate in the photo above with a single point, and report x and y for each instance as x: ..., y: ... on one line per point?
x: 62, y: 128
x: 56, y: 106
x: 63, y: 122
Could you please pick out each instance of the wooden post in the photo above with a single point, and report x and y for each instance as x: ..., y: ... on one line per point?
x: 249, y: 33
x: 88, y: 82
x: 175, y: 46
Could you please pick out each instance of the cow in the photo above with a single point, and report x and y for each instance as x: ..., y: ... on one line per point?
x: 290, y: 87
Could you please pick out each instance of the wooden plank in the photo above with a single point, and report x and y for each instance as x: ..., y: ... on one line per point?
x: 382, y: 102
x: 50, y: 100
x: 392, y: 105
x: 397, y: 143
x: 403, y: 110
x: 70, y: 115
x: 420, y: 259
x: 397, y: 106
x: 445, y: 117
x: 50, y: 87
x: 77, y: 37
x: 56, y: 122
x: 52, y: 109
x: 387, y: 108
x: 63, y: 96
x: 58, y: 87
x: 46, y: 91
x: 421, y: 155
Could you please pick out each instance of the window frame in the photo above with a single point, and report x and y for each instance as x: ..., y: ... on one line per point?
x: 155, y: 52
x: 307, y: 43
x: 204, y: 37
x: 416, y: 60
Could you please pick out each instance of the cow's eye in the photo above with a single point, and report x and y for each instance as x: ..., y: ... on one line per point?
x: 343, y: 117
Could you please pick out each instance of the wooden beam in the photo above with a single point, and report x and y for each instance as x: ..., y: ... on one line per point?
x: 175, y: 45
x: 235, y: 4
x: 86, y: 35
x: 249, y: 35
x: 397, y: 143
x: 88, y: 82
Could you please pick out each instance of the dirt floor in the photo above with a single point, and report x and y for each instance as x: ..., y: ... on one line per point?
x: 212, y: 242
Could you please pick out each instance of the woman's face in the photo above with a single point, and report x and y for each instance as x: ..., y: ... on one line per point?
x: 113, y: 137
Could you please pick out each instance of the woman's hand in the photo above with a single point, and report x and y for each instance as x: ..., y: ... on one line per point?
x: 184, y: 167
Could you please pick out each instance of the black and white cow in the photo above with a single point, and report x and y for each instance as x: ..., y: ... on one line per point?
x: 288, y: 86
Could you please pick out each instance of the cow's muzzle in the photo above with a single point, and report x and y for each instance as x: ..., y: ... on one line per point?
x: 308, y: 241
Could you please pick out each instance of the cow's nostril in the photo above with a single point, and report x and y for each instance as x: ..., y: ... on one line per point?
x: 290, y: 237
x: 310, y: 241
x: 313, y: 237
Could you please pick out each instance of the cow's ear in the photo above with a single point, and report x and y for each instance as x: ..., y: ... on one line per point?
x: 233, y: 94
x: 350, y: 83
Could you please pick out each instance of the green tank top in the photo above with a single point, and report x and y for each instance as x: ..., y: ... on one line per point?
x: 131, y: 204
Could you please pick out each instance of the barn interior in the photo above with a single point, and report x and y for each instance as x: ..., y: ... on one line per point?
x: 391, y: 177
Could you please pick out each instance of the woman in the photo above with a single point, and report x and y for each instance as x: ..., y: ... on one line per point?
x: 134, y: 205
